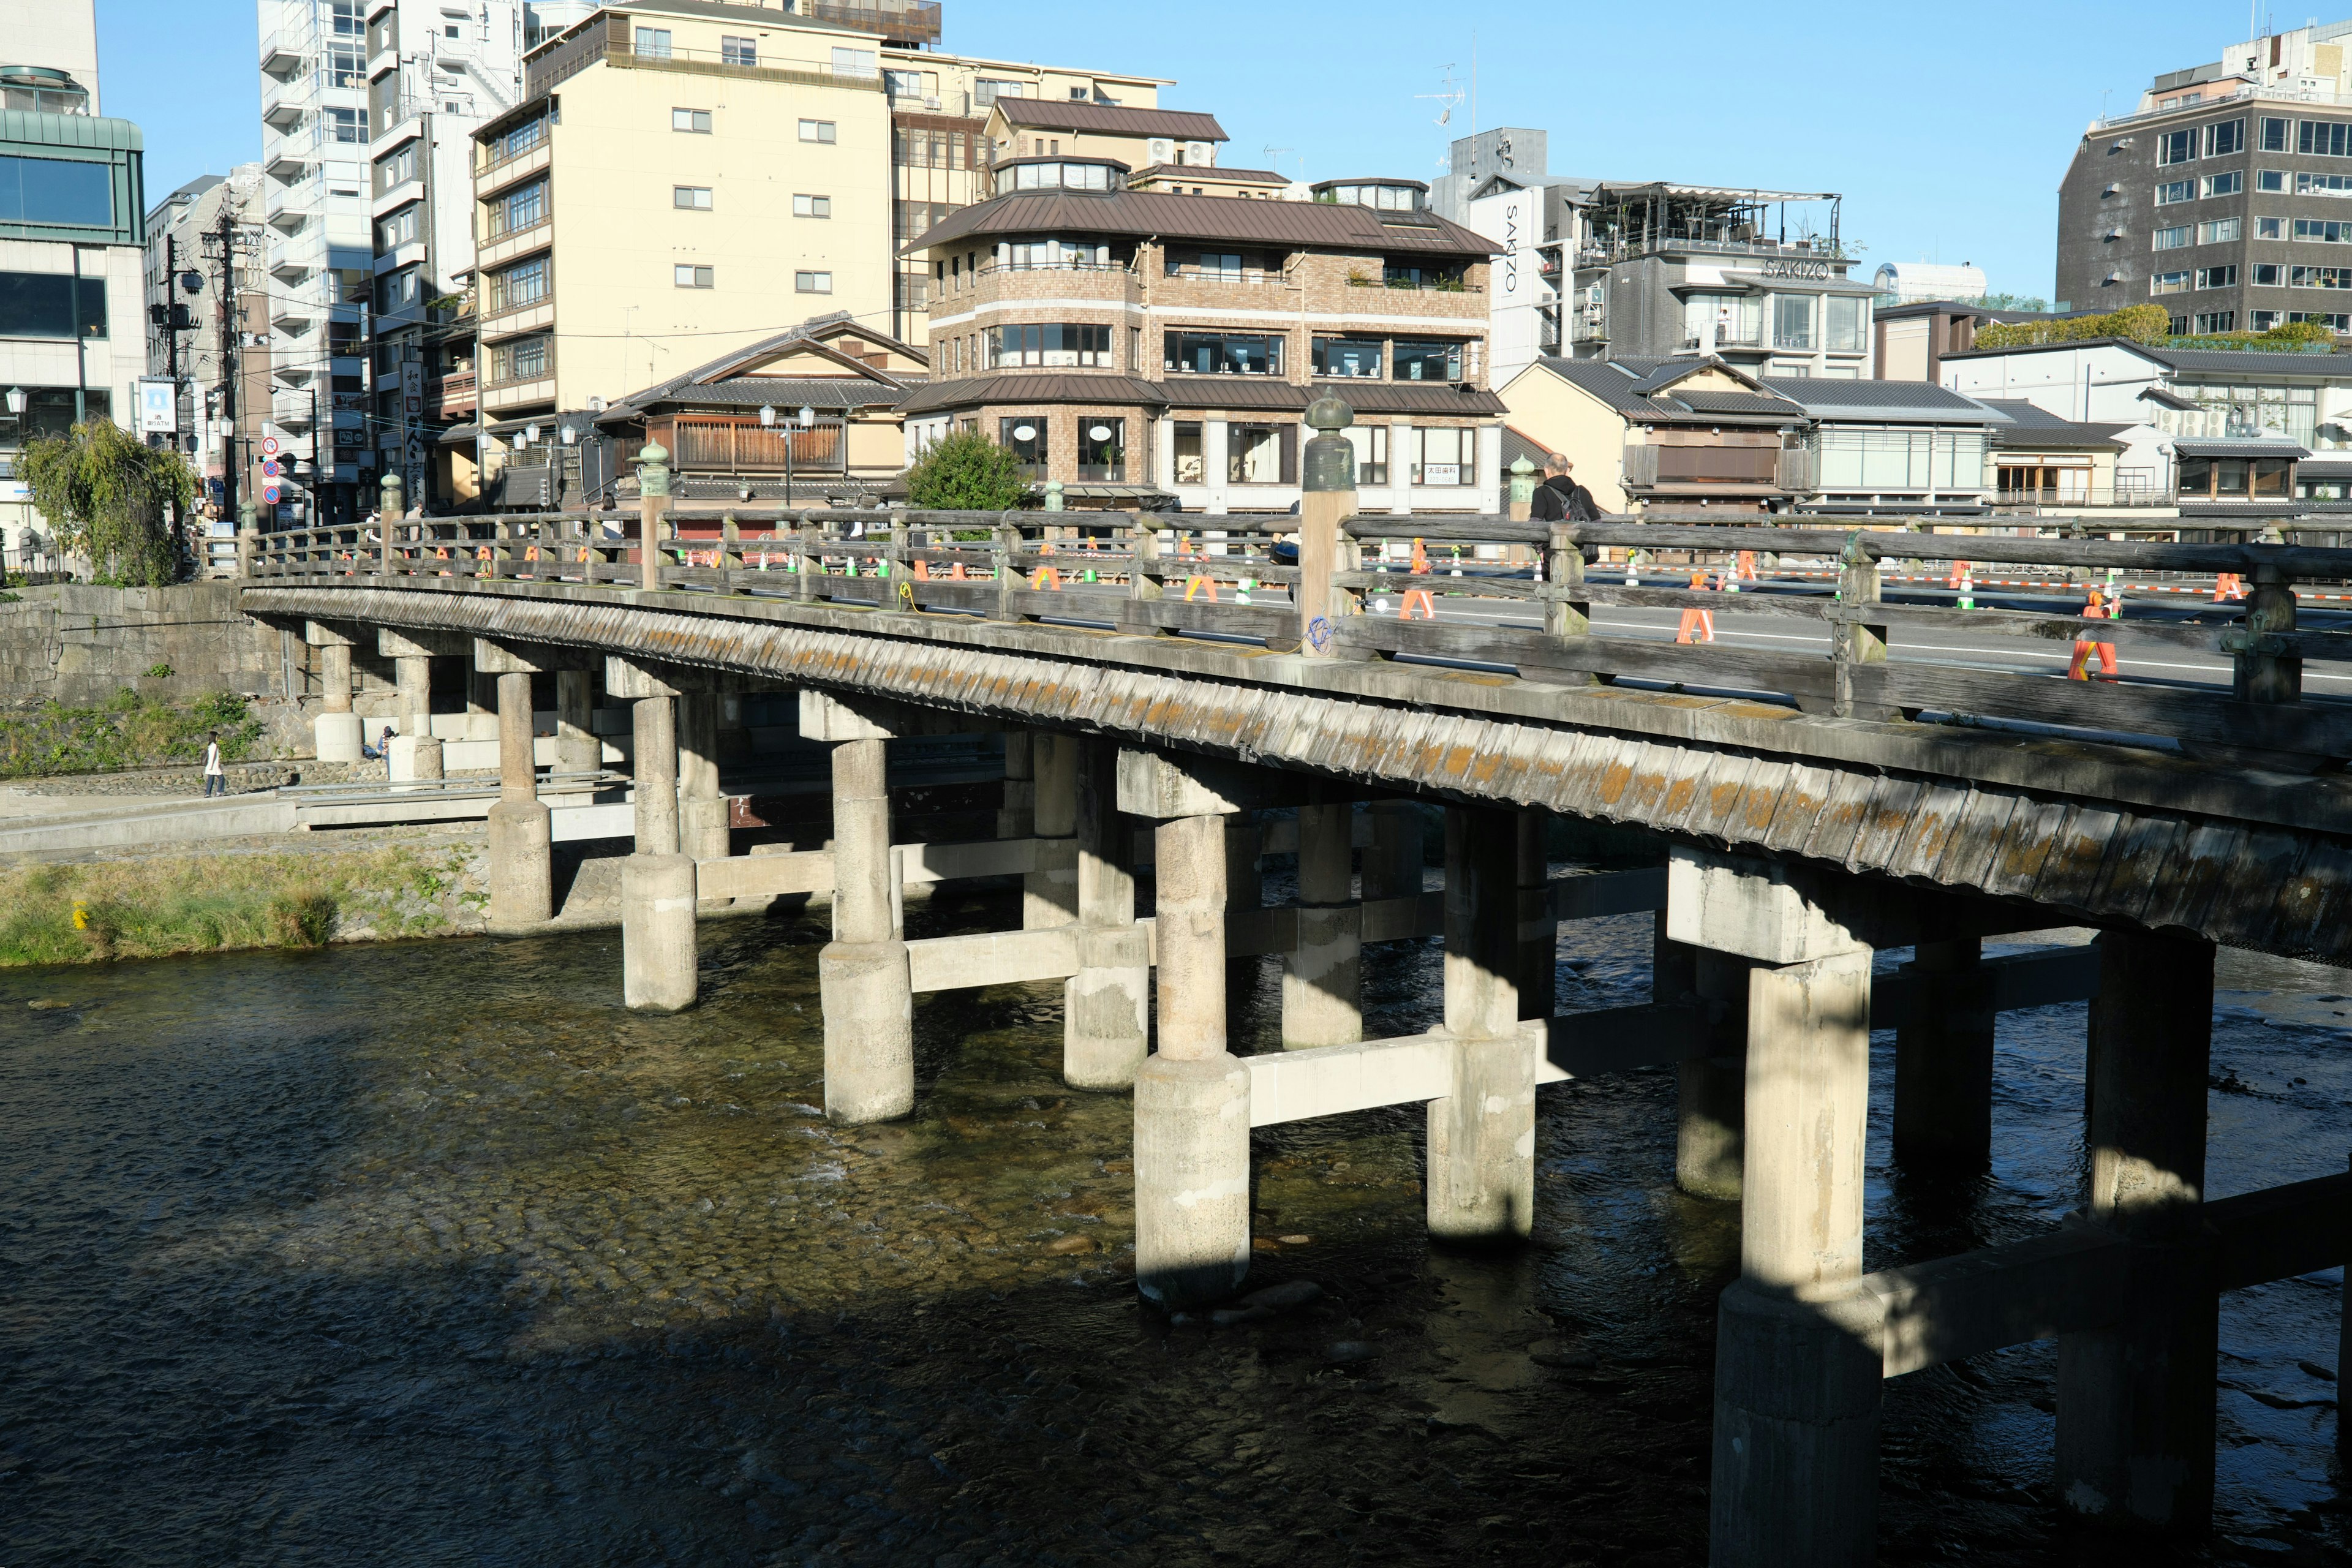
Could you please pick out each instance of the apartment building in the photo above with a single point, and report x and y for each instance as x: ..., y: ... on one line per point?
x: 1143, y: 347
x: 71, y: 249
x: 367, y: 108
x: 2222, y: 196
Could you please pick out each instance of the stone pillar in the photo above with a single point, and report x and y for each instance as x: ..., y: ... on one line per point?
x: 2136, y: 1419
x: 701, y: 809
x: 335, y: 730
x: 1943, y: 1059
x: 862, y: 973
x: 657, y: 883
x: 1481, y: 1136
x: 1393, y: 864
x: 1539, y: 933
x: 1050, y: 897
x: 1017, y: 817
x: 1106, y: 1005
x: 1191, y: 1097
x: 415, y: 754
x: 481, y: 705
x: 577, y: 749
x: 1711, y: 1091
x: 1797, y: 1383
x: 1244, y: 878
x: 521, y: 842
x: 1322, y: 993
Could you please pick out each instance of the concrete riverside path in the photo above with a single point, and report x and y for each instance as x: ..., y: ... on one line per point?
x: 1808, y: 811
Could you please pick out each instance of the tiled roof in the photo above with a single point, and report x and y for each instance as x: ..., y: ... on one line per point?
x: 1614, y: 384
x: 1165, y: 215
x: 2239, y: 446
x: 707, y: 382
x: 1236, y: 392
x: 1109, y: 120
x: 1911, y: 402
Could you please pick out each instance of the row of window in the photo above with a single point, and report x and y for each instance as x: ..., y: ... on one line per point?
x: 2213, y: 231
x: 2226, y: 138
x: 1739, y: 320
x: 698, y: 199
x: 2269, y: 182
x: 660, y: 44
x: 2230, y: 230
x: 70, y: 192
x: 531, y: 282
x: 696, y: 122
x: 1074, y: 344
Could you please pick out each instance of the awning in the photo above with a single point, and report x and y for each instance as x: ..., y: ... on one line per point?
x: 2238, y: 446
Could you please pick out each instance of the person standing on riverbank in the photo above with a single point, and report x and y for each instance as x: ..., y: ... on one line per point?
x: 216, y: 780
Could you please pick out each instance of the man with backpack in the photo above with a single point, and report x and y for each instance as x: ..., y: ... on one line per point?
x: 1559, y: 499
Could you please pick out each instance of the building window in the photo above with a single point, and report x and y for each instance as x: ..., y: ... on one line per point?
x: 1024, y: 435
x: 2173, y: 191
x: 2172, y: 239
x: 653, y: 42
x: 1135, y: 350
x: 696, y: 120
x: 396, y: 170
x: 1216, y: 266
x: 519, y: 209
x: 1418, y: 359
x: 2168, y: 283
x: 2322, y: 138
x: 737, y: 51
x: 1354, y: 359
x: 819, y: 130
x: 1792, y: 320
x: 2319, y: 276
x: 523, y: 284
x: 812, y: 282
x: 2269, y: 275
x: 2207, y: 322
x: 2221, y: 231
x: 347, y: 124
x: 1844, y: 329
x: 986, y: 90
x: 2270, y: 228
x: 2270, y: 181
x: 525, y: 359
x: 2225, y: 137
x: 695, y: 198
x: 2323, y: 185
x: 812, y: 206
x: 2261, y: 321
x: 2326, y: 231
x: 1102, y: 450
x: 2274, y: 132
x: 857, y: 63
x: 2339, y: 322
x: 2176, y: 147
x: 1049, y: 343
x: 1261, y: 454
x: 2217, y: 277
x: 51, y: 305
x: 1446, y: 457
x: 2227, y: 184
x: 520, y: 140
x: 1372, y: 445
x: 396, y: 230
x: 692, y: 277
x: 1223, y: 354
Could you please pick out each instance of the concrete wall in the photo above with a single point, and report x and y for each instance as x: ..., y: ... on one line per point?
x: 82, y: 645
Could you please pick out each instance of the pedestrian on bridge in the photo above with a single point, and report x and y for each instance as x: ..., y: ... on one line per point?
x: 1559, y: 499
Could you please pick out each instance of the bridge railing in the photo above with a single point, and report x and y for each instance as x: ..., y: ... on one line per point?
x: 1516, y: 595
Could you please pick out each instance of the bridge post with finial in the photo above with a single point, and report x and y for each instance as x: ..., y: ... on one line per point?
x: 653, y: 501
x: 1327, y: 499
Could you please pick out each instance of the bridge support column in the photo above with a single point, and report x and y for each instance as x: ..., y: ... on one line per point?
x: 1191, y: 1097
x: 867, y: 989
x: 1322, y: 991
x: 415, y: 752
x: 522, y: 869
x: 1482, y: 1135
x: 2136, y: 1417
x: 1017, y: 817
x: 335, y: 731
x: 1050, y: 897
x: 1797, y: 1389
x: 1539, y: 933
x: 1107, y: 1005
x: 1392, y: 864
x: 1943, y: 1060
x: 1244, y: 878
x: 657, y: 890
x: 1710, y: 1091
x: 577, y: 749
x: 701, y: 810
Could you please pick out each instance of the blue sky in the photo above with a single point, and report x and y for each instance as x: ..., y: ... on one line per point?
x: 1947, y: 132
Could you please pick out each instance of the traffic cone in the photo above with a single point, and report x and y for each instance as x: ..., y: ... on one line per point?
x: 1417, y: 596
x: 2077, y: 669
x: 1696, y: 621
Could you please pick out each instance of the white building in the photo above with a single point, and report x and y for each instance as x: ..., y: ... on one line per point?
x: 72, y: 339
x: 368, y: 109
x: 1907, y: 282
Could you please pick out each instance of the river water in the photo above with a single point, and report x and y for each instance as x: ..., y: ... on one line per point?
x: 434, y: 1253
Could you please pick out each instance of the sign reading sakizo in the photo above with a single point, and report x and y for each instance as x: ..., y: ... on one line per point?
x: 1810, y: 271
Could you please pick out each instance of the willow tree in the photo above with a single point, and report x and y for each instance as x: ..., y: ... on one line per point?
x: 111, y: 498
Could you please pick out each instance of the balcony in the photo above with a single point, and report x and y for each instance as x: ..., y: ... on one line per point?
x: 295, y: 257
x: 905, y: 24
x: 284, y: 107
x: 610, y: 43
x: 282, y: 54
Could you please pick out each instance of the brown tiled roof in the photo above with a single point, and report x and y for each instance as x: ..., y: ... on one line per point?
x: 1108, y: 119
x: 1031, y: 386
x: 1242, y: 392
x: 1322, y: 226
x: 1204, y: 172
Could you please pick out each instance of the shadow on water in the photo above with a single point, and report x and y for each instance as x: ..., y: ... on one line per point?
x: 435, y: 1254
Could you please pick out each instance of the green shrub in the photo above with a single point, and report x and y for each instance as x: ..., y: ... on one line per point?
x: 966, y: 472
x: 124, y: 731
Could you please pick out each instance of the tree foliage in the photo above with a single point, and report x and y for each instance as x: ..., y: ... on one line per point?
x: 108, y: 497
x: 2140, y: 323
x: 966, y: 471
x: 2287, y: 337
x: 2008, y: 302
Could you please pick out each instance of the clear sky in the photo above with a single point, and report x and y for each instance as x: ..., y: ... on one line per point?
x: 1946, y: 130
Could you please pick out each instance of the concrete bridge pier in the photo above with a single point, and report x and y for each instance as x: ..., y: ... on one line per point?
x: 1192, y: 1096
x: 1017, y: 817
x: 2136, y: 1401
x: 1481, y: 1134
x: 1107, y: 1005
x: 657, y: 883
x: 577, y: 749
x: 1710, y: 1091
x: 415, y: 754
x: 335, y: 732
x: 1539, y: 932
x: 866, y: 987
x: 1393, y: 863
x: 1050, y: 897
x: 701, y: 810
x: 522, y: 862
x: 1797, y: 1388
x: 1322, y: 991
x: 1943, y: 1059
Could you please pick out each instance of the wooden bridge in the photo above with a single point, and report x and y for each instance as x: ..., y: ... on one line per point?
x: 1809, y: 809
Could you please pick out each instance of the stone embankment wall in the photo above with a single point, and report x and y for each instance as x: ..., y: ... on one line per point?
x: 78, y: 645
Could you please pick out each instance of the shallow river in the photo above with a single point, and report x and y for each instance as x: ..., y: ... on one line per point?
x: 434, y: 1253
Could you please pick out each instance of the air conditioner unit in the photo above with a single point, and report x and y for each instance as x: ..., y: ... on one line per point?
x: 2111, y: 190
x: 931, y: 103
x: 2115, y: 233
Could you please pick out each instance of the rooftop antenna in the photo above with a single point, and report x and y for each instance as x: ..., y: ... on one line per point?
x: 1274, y: 155
x: 1451, y: 98
x: 1474, y: 81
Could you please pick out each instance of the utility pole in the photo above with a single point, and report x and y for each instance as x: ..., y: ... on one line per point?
x: 221, y: 245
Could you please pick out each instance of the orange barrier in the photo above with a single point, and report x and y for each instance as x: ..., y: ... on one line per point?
x: 1195, y: 582
x: 1047, y: 576
x: 2228, y: 585
x: 1420, y: 557
x: 2078, y: 668
x: 1701, y: 622
x: 1420, y: 596
x: 959, y: 572
x: 1746, y: 568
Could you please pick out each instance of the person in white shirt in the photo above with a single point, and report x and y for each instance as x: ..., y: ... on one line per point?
x: 216, y: 780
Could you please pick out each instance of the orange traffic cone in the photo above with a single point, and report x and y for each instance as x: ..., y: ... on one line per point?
x: 1420, y: 557
x: 1416, y: 596
x: 1696, y: 621
x: 1196, y: 584
x: 2078, y: 668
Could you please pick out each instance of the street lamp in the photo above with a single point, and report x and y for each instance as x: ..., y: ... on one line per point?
x: 16, y: 400
x: 571, y: 435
